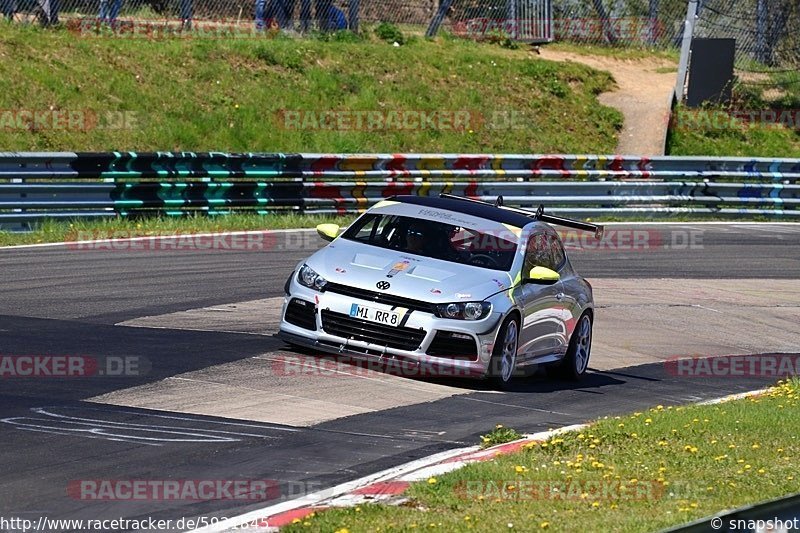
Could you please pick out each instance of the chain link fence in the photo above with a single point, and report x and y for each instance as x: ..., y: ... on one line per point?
x: 767, y: 34
x: 615, y: 22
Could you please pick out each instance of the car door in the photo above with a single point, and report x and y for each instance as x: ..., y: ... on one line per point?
x: 565, y: 305
x: 541, y: 316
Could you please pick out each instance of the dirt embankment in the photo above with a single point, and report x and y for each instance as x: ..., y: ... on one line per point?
x: 643, y: 96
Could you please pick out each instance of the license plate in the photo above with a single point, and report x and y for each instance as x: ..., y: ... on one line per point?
x: 390, y: 318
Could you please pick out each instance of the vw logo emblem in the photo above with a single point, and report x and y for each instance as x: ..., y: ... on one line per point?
x: 383, y: 285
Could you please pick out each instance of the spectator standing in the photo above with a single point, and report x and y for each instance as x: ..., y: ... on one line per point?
x: 281, y: 11
x: 109, y: 11
x: 329, y: 17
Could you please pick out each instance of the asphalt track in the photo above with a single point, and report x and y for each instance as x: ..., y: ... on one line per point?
x: 68, y: 301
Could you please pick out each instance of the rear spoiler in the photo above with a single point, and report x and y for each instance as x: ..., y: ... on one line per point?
x: 538, y: 215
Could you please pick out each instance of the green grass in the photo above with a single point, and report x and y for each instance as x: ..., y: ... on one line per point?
x: 653, y: 469
x: 666, y: 70
x: 499, y: 435
x: 58, y: 231
x: 713, y: 132
x: 48, y: 231
x: 229, y: 94
x: 618, y: 52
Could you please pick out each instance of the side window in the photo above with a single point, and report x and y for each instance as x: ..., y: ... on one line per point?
x: 557, y: 250
x: 538, y: 252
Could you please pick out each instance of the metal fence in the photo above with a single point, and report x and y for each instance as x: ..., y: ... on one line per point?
x: 767, y: 33
x: 766, y: 30
x: 35, y: 186
x: 535, y: 21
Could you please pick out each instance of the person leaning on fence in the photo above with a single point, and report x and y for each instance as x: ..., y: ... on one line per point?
x: 331, y: 18
x: 280, y: 11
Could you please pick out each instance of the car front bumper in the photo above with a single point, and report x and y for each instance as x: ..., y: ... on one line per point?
x: 369, y: 341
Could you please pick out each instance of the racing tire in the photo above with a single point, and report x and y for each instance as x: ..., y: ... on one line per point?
x: 504, y: 356
x: 576, y: 360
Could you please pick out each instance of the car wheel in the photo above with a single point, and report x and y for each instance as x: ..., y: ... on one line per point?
x: 504, y: 356
x: 576, y: 361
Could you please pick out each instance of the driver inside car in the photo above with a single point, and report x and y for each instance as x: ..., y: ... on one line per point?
x: 415, y: 238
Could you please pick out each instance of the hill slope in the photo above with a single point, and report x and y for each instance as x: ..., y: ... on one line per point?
x: 62, y: 91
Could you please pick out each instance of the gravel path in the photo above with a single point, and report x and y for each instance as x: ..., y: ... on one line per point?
x: 643, y: 95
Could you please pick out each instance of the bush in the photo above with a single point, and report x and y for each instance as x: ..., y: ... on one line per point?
x: 501, y: 38
x: 390, y: 33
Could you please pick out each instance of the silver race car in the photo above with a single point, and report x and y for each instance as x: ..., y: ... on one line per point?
x: 445, y: 286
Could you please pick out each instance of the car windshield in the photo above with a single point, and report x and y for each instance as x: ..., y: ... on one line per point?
x: 435, y: 239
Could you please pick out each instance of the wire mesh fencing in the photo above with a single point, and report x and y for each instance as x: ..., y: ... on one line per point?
x: 767, y: 32
x: 767, y: 35
x: 288, y: 16
x: 616, y: 22
x: 650, y: 23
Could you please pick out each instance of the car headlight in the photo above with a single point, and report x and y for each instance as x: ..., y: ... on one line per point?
x: 308, y: 277
x: 464, y: 310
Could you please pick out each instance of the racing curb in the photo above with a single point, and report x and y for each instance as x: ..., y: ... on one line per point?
x: 385, y: 487
x: 388, y: 486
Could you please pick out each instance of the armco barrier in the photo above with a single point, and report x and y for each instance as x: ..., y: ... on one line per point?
x: 66, y: 185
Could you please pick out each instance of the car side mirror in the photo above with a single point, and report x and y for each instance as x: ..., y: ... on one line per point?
x: 328, y: 231
x: 542, y: 276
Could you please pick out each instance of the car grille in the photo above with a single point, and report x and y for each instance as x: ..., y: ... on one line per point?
x: 445, y: 345
x: 301, y: 313
x: 380, y: 297
x: 348, y: 327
